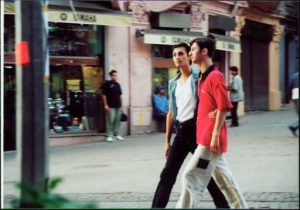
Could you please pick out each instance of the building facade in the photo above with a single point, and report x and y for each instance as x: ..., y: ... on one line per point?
x: 238, y: 27
x: 136, y: 37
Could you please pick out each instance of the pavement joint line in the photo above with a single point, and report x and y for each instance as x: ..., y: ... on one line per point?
x: 145, y: 197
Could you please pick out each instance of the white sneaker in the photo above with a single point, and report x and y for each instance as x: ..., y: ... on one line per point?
x: 109, y: 139
x: 120, y: 138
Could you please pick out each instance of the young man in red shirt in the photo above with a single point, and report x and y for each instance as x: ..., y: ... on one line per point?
x: 211, y: 134
x: 183, y: 102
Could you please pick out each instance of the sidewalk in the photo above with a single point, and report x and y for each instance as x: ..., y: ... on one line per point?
x: 263, y: 156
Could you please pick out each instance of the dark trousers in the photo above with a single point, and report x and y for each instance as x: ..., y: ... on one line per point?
x: 234, y: 117
x: 184, y: 142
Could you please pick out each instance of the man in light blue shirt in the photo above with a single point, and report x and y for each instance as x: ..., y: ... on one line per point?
x: 160, y: 103
x: 236, y: 94
x: 294, y: 98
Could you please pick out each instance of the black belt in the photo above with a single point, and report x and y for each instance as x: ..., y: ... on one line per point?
x: 185, y: 123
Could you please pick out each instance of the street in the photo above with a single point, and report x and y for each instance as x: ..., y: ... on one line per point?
x: 263, y: 155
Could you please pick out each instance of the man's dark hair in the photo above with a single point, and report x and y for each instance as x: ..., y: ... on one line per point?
x: 183, y: 45
x: 112, y: 72
x: 207, y: 42
x: 233, y: 68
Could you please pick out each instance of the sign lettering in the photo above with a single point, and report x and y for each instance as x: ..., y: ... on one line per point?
x: 85, y: 17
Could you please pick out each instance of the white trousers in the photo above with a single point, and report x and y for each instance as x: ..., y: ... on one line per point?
x: 197, y: 174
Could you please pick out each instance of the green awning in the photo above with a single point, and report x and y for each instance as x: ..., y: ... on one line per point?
x: 168, y: 37
x: 107, y: 17
x: 227, y: 43
x: 9, y: 8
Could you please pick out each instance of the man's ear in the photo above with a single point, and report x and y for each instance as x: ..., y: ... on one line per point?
x: 204, y: 51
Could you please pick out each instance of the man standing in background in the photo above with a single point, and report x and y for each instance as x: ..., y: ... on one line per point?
x: 112, y: 104
x: 160, y: 107
x: 294, y: 99
x: 236, y: 94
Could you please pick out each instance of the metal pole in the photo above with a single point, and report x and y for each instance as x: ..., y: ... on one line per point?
x: 32, y: 93
x: 2, y: 92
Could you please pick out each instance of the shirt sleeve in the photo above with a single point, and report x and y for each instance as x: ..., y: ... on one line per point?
x: 120, y: 89
x: 220, y: 92
x: 170, y: 94
x: 235, y: 83
x: 104, y: 90
x: 155, y: 103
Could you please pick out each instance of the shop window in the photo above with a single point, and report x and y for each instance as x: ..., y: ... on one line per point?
x: 162, y: 76
x: 75, y: 104
x: 74, y: 40
x: 162, y: 51
x: 64, y: 39
x: 9, y: 114
x: 9, y: 33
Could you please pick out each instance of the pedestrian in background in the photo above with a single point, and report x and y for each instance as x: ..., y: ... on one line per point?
x: 211, y: 135
x: 294, y: 99
x: 112, y: 92
x: 236, y: 94
x: 183, y: 101
x: 160, y: 107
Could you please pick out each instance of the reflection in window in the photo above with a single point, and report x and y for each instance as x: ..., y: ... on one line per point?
x: 162, y: 51
x: 74, y: 40
x: 65, y: 39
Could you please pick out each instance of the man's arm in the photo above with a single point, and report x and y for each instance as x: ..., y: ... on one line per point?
x: 106, y: 107
x: 234, y: 87
x: 169, y: 126
x: 215, y: 141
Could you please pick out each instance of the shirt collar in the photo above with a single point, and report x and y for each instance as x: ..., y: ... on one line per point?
x: 203, y: 76
x: 179, y: 73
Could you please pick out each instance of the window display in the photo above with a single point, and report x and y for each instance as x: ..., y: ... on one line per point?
x: 74, y: 40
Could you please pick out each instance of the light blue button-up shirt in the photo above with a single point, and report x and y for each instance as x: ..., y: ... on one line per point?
x: 172, y: 88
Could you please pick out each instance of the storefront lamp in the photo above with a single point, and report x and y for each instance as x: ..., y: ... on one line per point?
x: 139, y: 32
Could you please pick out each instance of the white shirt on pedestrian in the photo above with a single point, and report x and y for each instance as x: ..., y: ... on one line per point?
x: 185, y: 100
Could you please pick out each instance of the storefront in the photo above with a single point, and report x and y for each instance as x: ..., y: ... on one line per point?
x: 76, y: 73
x: 77, y: 59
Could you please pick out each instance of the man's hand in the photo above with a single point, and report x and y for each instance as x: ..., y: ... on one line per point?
x: 106, y: 108
x: 215, y: 144
x: 167, y: 149
x: 213, y: 114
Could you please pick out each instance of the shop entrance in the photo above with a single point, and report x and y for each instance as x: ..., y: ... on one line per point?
x: 9, y: 106
x: 255, y: 65
x: 75, y: 103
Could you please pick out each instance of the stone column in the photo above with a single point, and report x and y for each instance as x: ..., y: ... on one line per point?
x: 140, y: 72
x: 117, y: 54
x: 235, y: 57
x: 274, y: 89
x: 199, y: 18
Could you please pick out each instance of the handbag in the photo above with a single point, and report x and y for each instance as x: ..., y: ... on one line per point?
x: 123, y: 117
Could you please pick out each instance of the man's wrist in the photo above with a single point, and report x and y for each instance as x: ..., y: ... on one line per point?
x: 215, y: 133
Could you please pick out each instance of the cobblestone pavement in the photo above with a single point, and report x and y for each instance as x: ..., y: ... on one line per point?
x: 263, y: 156
x: 263, y: 200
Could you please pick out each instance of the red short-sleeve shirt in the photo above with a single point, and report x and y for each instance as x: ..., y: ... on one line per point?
x: 212, y: 95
